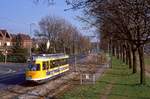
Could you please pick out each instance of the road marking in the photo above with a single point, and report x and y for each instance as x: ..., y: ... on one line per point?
x: 9, y: 71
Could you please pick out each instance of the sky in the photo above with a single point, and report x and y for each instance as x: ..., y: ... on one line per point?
x: 17, y: 15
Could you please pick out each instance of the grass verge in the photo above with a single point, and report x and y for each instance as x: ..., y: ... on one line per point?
x: 125, y: 85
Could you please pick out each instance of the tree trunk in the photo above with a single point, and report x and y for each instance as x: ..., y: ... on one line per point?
x: 127, y: 55
x: 142, y: 65
x: 134, y: 61
x: 123, y: 53
x: 118, y: 52
x: 54, y: 49
x: 113, y: 50
x: 130, y: 59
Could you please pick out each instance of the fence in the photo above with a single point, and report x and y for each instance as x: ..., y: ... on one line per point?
x: 87, y: 78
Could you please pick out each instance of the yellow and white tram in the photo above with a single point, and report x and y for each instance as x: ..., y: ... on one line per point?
x: 46, y: 66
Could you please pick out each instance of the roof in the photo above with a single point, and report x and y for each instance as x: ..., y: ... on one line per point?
x: 4, y: 33
x: 49, y: 56
x: 24, y: 36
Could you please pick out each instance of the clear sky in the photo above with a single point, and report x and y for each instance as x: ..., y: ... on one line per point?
x: 17, y: 15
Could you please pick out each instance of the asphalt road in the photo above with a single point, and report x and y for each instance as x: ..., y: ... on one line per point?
x: 11, y: 67
x: 11, y: 74
x: 14, y: 73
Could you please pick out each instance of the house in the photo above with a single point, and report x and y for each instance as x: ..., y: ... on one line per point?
x: 26, y: 41
x: 5, y: 41
x: 5, y: 38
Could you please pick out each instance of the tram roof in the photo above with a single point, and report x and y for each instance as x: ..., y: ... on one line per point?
x: 49, y: 56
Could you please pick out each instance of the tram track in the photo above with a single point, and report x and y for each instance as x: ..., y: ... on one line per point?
x: 25, y: 90
x: 48, y: 88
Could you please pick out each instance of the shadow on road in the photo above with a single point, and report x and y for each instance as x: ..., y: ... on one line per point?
x: 12, y: 79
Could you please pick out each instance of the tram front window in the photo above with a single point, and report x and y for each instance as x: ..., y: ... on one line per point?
x: 34, y: 67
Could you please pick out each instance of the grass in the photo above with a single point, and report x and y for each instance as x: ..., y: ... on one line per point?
x: 147, y: 60
x: 125, y: 85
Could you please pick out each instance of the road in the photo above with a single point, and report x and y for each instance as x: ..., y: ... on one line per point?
x: 11, y: 74
x: 11, y: 67
x: 14, y: 73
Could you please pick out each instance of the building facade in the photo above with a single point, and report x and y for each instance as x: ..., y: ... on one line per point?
x: 8, y: 40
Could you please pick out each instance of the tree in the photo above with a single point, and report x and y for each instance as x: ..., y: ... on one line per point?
x: 19, y: 53
x: 128, y: 23
x: 63, y: 36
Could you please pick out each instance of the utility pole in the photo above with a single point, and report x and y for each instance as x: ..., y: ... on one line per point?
x: 75, y: 53
x: 5, y: 56
x: 30, y: 47
x: 5, y: 49
x: 97, y: 49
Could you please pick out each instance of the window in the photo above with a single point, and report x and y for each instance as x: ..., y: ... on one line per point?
x: 47, y: 65
x: 53, y: 64
x: 34, y: 67
x: 8, y: 43
x: 44, y: 65
x: 56, y: 63
x: 63, y: 62
x: 38, y: 67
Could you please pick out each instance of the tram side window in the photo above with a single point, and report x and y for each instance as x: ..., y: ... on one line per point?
x: 44, y: 65
x: 56, y: 63
x: 47, y: 65
x: 38, y: 67
x: 53, y: 64
x: 64, y: 62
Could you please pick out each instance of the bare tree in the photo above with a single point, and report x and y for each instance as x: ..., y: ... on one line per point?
x: 62, y: 35
x: 124, y: 21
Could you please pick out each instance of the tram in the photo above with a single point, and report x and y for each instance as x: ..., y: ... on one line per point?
x: 46, y: 66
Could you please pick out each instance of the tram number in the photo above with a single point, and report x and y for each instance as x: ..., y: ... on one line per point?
x: 56, y: 70
x: 49, y: 72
